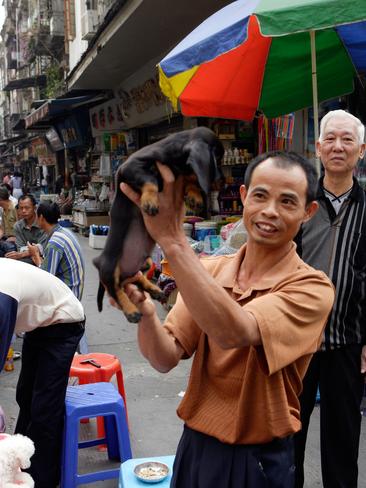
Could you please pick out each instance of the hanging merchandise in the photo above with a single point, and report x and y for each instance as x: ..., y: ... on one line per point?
x: 284, y: 129
x: 275, y: 134
x: 104, y: 193
x: 105, y: 165
x: 114, y: 142
x: 106, y: 142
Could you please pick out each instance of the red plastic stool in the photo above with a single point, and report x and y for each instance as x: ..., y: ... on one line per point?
x: 98, y: 367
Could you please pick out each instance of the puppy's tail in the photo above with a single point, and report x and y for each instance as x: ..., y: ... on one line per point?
x: 100, y: 296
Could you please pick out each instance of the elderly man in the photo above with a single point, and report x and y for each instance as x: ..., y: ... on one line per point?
x: 27, y: 230
x: 334, y: 241
x: 252, y: 322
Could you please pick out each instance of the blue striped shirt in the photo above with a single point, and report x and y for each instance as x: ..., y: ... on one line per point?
x: 63, y: 258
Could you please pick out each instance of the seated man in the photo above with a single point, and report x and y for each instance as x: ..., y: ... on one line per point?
x: 27, y: 230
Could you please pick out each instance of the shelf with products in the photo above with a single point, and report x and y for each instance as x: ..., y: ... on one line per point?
x: 229, y: 198
x: 239, y: 142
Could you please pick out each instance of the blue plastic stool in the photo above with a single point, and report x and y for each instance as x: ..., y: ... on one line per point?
x: 93, y: 400
x: 127, y: 479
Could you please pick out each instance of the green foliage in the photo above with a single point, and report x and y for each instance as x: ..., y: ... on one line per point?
x: 31, y: 49
x: 54, y: 81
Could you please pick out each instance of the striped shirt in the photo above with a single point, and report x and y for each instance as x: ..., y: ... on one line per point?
x: 336, y: 244
x: 63, y: 258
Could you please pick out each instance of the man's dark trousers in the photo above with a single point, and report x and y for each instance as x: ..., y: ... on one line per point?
x: 337, y: 372
x: 46, y: 359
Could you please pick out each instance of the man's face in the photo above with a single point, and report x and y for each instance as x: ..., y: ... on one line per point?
x: 275, y: 204
x: 340, y: 148
x: 26, y: 210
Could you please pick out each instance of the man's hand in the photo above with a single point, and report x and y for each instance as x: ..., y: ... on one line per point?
x: 363, y: 361
x: 34, y: 253
x: 16, y: 255
x: 167, y: 225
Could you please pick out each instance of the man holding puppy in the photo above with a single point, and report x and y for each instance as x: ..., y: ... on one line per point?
x: 252, y: 321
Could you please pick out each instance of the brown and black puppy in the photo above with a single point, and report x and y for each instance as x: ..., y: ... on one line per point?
x: 194, y: 153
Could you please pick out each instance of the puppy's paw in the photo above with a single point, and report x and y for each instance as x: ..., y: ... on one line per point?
x: 134, y: 317
x: 151, y: 208
x: 158, y: 295
x: 149, y: 199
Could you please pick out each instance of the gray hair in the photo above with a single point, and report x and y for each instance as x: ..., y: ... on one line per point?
x: 342, y: 113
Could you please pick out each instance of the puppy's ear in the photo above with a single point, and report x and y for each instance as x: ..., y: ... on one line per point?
x: 203, y: 162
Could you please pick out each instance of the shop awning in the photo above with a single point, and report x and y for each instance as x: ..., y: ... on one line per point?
x: 32, y: 81
x: 41, y: 117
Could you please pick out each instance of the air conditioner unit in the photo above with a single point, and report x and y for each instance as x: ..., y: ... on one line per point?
x: 57, y: 28
x: 89, y: 24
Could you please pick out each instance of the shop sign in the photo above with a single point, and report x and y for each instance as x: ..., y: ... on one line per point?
x: 69, y: 135
x: 141, y: 98
x: 72, y: 129
x: 49, y: 160
x: 147, y: 95
x: 54, y: 139
x: 106, y: 117
x: 42, y: 152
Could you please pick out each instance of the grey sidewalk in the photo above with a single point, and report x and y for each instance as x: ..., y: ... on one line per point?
x: 152, y: 397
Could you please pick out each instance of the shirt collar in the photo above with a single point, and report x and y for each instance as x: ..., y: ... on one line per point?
x: 25, y: 225
x: 228, y: 275
x: 356, y: 192
x: 55, y: 228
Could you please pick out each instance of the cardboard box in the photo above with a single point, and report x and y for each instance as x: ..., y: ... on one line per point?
x: 97, y: 242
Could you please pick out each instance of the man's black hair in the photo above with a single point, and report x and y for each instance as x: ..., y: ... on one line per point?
x: 284, y: 159
x: 4, y: 193
x: 49, y: 211
x: 30, y: 197
x: 8, y: 187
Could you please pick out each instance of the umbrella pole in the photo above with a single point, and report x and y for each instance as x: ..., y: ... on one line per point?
x: 315, y: 95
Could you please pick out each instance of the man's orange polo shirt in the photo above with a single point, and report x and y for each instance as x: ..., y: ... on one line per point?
x: 250, y: 395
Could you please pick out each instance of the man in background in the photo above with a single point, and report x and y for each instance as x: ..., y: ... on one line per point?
x: 62, y: 255
x: 27, y: 230
x: 334, y: 241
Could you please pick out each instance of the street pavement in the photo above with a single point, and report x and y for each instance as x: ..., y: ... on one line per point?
x: 152, y: 398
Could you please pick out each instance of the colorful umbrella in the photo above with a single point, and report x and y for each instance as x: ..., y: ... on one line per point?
x: 258, y: 55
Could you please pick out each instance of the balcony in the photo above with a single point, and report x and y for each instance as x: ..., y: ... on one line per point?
x: 48, y: 34
x: 29, y: 82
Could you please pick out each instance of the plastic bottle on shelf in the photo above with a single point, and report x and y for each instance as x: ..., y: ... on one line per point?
x: 229, y: 156
x: 236, y: 155
x: 9, y: 363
